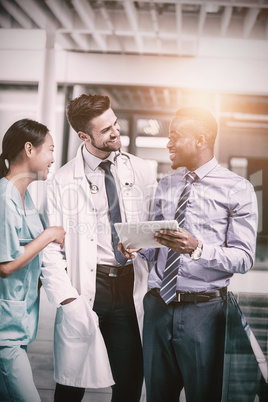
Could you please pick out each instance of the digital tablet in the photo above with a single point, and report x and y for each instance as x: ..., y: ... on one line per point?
x: 141, y: 234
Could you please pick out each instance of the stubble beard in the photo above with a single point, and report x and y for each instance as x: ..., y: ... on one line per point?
x: 107, y: 148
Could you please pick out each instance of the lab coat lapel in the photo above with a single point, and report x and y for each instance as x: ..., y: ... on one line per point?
x: 79, y: 174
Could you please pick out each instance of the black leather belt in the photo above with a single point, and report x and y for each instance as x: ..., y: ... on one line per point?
x: 115, y: 271
x: 195, y: 297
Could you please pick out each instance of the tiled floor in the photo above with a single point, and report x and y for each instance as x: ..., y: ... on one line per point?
x: 41, y: 356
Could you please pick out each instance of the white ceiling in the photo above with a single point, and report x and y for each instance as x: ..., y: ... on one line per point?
x: 182, y: 28
x: 177, y: 28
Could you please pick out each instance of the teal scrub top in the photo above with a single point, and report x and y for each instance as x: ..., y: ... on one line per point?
x: 19, y: 295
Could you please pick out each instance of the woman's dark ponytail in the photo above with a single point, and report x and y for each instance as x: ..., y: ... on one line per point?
x: 4, y: 166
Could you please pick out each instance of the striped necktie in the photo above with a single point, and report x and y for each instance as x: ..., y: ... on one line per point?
x: 169, y: 282
x: 114, y: 208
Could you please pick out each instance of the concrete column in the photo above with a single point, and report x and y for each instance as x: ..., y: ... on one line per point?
x: 217, y: 115
x: 46, y: 112
x: 47, y: 88
x: 132, y: 134
x: 74, y: 140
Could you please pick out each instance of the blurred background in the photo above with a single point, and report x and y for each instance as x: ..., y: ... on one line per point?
x: 150, y: 58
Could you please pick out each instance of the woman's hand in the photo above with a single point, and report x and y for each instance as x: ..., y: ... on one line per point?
x: 127, y: 253
x: 51, y: 234
x: 56, y: 234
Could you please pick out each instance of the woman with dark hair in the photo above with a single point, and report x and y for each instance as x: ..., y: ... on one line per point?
x: 27, y: 154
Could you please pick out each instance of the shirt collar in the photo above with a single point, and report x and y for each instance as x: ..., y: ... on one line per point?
x: 203, y: 170
x: 93, y: 161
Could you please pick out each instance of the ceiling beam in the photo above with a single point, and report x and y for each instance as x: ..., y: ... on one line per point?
x: 82, y: 40
x: 5, y: 20
x: 110, y: 25
x: 234, y: 3
x: 202, y: 19
x: 66, y: 18
x: 226, y: 19
x: 179, y: 27
x: 179, y: 99
x: 140, y: 94
x: 156, y: 29
x: 129, y: 96
x: 166, y: 96
x: 153, y: 97
x: 249, y: 21
x: 17, y: 14
x: 41, y: 18
x: 106, y: 92
x: 132, y: 17
x: 106, y: 16
x: 154, y: 19
x: 99, y: 27
x: 62, y: 12
x: 118, y: 95
x: 65, y: 41
x: 86, y: 14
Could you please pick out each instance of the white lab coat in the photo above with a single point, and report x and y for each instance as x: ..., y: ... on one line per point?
x: 79, y: 351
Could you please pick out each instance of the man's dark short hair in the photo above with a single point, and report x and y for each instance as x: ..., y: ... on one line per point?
x: 203, y: 118
x: 81, y: 110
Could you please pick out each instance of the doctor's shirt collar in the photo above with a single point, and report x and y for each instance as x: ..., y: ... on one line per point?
x: 93, y: 161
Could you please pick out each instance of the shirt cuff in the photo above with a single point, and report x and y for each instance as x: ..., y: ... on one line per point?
x: 206, y: 253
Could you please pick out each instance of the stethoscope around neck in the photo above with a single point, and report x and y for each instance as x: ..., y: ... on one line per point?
x: 94, y: 189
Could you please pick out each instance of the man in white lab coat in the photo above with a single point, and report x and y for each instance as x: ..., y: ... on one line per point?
x: 97, y: 340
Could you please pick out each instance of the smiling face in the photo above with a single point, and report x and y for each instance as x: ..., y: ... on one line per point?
x: 103, y: 135
x: 183, y: 144
x: 42, y: 158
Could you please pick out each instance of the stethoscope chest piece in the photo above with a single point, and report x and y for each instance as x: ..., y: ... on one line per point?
x: 94, y: 189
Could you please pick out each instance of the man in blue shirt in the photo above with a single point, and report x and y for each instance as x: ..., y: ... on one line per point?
x: 184, y: 328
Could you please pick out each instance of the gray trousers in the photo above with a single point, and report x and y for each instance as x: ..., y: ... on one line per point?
x: 183, y: 346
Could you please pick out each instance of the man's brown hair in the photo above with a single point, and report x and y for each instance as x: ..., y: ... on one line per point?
x: 81, y: 110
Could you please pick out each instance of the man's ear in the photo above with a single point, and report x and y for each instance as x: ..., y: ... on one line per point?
x: 83, y: 136
x: 201, y: 140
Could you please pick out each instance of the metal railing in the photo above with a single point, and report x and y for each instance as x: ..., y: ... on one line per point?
x: 245, y: 377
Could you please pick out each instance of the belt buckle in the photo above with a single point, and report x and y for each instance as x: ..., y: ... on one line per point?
x: 113, y: 272
x: 178, y: 297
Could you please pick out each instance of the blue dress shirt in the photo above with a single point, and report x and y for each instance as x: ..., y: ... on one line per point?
x: 221, y: 212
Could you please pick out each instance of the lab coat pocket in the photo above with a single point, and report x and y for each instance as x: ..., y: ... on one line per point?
x: 13, y: 320
x: 81, y: 358
x: 78, y: 319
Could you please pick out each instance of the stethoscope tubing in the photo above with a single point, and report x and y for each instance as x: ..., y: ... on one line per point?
x: 94, y: 189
